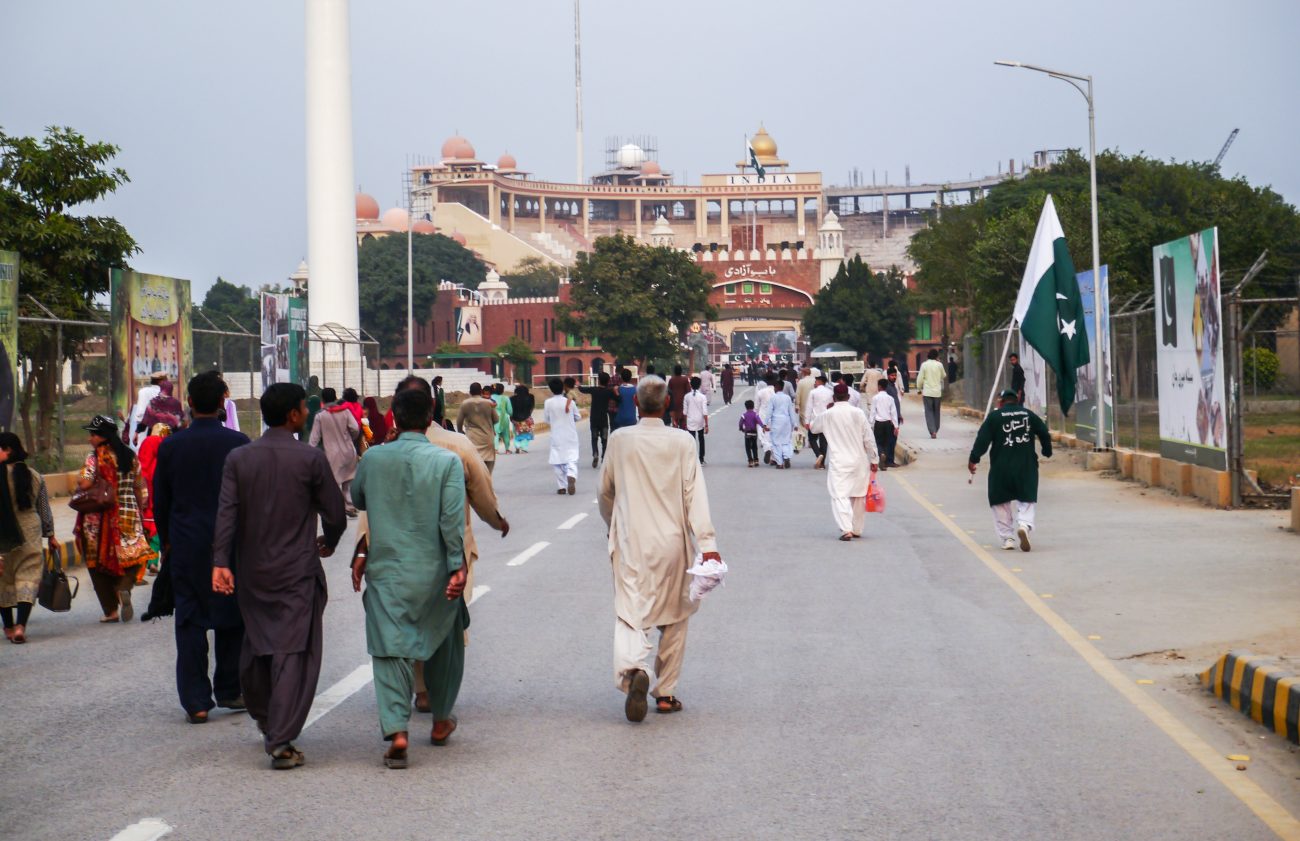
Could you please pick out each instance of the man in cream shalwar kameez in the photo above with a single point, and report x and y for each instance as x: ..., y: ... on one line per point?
x: 561, y: 412
x: 653, y: 498
x: 763, y: 393
x: 851, y: 458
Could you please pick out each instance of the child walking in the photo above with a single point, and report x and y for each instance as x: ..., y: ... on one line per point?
x: 749, y: 423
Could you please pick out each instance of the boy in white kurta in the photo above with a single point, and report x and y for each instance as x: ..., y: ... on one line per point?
x: 562, y: 414
x: 851, y: 458
x: 653, y: 499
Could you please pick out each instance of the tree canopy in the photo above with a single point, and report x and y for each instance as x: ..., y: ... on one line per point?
x: 239, y: 303
x: 381, y: 278
x: 972, y: 258
x: 65, y: 257
x: 637, y: 300
x: 534, y: 278
x: 868, y: 312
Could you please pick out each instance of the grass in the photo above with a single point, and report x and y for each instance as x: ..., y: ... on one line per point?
x: 1273, y: 446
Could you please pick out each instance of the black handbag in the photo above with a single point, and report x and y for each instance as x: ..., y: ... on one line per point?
x: 55, y: 593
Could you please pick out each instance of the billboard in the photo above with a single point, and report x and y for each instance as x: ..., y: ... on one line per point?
x: 1189, y: 350
x: 1085, y: 398
x: 150, y: 334
x: 8, y: 338
x: 284, y: 339
x: 469, y: 326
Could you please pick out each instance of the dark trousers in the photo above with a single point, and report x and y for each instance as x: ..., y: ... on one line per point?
x: 107, y: 587
x: 599, y: 439
x: 192, y: 684
x: 279, y: 688
x: 751, y: 446
x: 817, y: 442
x: 931, y: 413
x: 884, y: 432
x: 698, y: 434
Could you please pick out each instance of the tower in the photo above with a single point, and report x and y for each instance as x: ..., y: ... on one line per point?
x: 331, y: 205
x: 661, y: 235
x: 493, y: 288
x: 830, y: 252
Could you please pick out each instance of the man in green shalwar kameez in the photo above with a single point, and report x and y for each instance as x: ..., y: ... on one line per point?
x: 414, y: 567
x: 1010, y: 431
x: 504, y: 427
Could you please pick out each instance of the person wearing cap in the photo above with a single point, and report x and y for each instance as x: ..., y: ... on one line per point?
x: 1008, y: 434
x: 819, y: 399
x: 851, y: 458
x: 112, y: 541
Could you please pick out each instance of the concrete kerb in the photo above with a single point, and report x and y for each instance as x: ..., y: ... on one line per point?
x: 1257, y: 688
x: 1295, y: 510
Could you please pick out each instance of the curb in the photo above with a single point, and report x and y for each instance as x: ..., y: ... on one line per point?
x: 71, y: 556
x: 1259, y: 689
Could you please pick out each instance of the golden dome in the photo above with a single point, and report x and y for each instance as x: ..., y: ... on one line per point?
x: 764, y: 145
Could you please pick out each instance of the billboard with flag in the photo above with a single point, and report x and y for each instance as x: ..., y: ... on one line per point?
x: 284, y: 339
x: 1189, y: 350
x: 8, y: 338
x: 151, y: 334
x: 1049, y: 308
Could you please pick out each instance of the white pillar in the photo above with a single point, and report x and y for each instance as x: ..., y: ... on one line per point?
x: 331, y: 204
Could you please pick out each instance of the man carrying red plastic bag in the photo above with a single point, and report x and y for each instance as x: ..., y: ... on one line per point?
x: 851, y: 462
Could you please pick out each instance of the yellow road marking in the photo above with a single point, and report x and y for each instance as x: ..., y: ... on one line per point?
x: 1094, y: 636
x: 1146, y: 682
x: 1273, y: 814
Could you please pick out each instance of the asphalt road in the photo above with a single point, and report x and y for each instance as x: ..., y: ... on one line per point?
x: 895, y: 687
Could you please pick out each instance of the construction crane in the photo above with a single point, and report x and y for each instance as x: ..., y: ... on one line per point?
x: 1227, y: 143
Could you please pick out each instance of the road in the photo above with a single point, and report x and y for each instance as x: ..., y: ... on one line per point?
x: 912, y: 685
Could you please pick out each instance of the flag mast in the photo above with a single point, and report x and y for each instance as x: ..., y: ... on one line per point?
x: 577, y: 78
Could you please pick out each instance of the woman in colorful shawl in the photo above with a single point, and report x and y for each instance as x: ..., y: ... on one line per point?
x: 112, y: 541
x: 148, y: 461
x: 521, y: 415
x: 25, y: 519
x: 378, y: 425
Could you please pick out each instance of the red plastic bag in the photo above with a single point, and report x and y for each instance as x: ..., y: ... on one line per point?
x: 875, y: 497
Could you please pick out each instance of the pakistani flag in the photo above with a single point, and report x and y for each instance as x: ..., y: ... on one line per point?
x: 1049, y: 309
x: 753, y: 161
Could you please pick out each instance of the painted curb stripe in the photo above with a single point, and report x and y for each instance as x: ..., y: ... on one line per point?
x: 1273, y: 814
x: 1259, y: 689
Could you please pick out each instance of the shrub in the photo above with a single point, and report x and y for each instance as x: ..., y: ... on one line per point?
x: 1259, y: 365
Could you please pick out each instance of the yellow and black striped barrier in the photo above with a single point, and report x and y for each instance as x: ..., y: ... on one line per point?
x: 1258, y: 688
x: 71, y: 556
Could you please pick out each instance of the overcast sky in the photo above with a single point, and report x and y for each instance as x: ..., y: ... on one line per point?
x: 206, y: 99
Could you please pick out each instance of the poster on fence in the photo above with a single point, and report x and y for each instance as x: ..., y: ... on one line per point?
x: 1189, y: 350
x: 8, y: 338
x: 284, y: 339
x: 151, y: 334
x: 1085, y: 398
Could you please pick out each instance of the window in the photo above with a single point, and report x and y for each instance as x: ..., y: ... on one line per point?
x: 546, y: 331
x: 747, y: 289
x: 729, y: 289
x: 765, y: 289
x: 923, y: 328
x: 570, y: 340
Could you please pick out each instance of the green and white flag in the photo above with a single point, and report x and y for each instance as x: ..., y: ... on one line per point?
x: 753, y: 161
x: 1049, y: 308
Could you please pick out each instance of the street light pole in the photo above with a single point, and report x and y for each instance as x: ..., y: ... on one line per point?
x: 1103, y: 372
x: 410, y: 272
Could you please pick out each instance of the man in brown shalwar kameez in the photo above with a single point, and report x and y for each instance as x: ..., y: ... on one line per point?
x: 267, y: 552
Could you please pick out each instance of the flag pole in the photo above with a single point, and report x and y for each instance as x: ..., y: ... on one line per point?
x: 1002, y: 361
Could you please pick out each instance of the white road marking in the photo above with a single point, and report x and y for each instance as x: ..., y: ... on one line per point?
x: 571, y: 522
x: 479, y: 592
x: 338, y: 693
x: 149, y: 829
x: 522, y: 557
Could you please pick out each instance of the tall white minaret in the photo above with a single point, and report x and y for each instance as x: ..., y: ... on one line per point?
x: 577, y: 77
x: 331, y: 203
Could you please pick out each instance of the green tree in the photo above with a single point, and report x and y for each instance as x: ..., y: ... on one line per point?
x: 534, y: 278
x: 381, y: 277
x: 517, y: 352
x: 65, y: 257
x: 223, y: 302
x: 640, y: 301
x: 868, y: 312
x: 975, y: 254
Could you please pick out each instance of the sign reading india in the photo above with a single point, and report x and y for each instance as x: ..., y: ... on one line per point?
x: 769, y: 179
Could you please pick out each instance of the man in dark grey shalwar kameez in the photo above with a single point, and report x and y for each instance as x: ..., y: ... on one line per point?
x: 267, y: 552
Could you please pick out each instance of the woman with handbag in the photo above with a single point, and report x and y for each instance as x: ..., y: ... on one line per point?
x: 109, y: 530
x: 25, y: 519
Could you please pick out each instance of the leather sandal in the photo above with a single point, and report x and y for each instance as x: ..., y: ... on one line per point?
x: 442, y: 731
x: 638, y: 686
x: 200, y: 717
x: 395, y: 759
x: 668, y: 704
x: 287, y: 757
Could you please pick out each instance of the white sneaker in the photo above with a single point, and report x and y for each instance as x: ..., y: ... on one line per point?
x: 1009, y: 543
x: 1022, y: 532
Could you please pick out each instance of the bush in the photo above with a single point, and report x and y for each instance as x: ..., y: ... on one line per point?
x: 1261, y: 363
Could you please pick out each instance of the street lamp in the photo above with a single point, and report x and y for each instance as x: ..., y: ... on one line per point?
x: 1099, y: 384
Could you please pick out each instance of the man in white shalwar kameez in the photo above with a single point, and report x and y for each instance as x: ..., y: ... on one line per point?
x: 653, y: 499
x: 561, y: 412
x: 143, y: 398
x: 851, y: 458
x: 763, y: 393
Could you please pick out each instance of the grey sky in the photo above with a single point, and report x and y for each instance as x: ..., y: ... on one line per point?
x: 205, y: 99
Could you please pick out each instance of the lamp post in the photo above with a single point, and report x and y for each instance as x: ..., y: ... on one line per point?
x: 1103, y: 372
